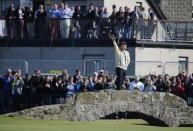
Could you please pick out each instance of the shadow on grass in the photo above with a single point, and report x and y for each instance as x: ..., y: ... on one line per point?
x: 186, y: 125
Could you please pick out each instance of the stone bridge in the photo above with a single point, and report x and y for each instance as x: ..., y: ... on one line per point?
x: 167, y: 108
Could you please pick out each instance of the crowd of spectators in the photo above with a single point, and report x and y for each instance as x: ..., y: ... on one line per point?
x: 62, y: 21
x: 13, y: 84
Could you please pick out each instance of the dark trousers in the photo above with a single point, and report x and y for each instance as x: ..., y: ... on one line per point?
x: 121, y: 76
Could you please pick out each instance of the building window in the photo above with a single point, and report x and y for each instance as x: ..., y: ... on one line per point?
x: 93, y: 63
x: 183, y: 64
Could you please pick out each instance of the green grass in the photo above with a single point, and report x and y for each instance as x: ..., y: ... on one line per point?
x: 17, y: 124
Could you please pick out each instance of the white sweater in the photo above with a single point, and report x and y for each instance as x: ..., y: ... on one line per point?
x: 122, y: 58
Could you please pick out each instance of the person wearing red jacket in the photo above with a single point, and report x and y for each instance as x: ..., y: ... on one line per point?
x: 180, y: 89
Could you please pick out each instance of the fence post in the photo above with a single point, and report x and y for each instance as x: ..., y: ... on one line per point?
x: 26, y: 66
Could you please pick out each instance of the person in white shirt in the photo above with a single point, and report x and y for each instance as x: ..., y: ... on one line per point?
x: 65, y: 15
x: 70, y: 87
x: 122, y: 60
x: 136, y: 85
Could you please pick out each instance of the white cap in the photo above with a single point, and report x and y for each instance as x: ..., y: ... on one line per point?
x: 101, y: 71
x: 95, y: 73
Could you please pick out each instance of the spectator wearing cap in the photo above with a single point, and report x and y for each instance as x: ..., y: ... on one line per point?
x: 101, y: 73
x: 122, y: 60
x: 136, y: 85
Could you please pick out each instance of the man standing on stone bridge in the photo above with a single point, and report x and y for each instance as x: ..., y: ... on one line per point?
x: 122, y: 60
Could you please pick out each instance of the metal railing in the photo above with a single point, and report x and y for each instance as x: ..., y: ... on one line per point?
x: 13, y: 103
x: 139, y: 29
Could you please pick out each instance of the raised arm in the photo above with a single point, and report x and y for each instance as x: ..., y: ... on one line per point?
x: 112, y: 37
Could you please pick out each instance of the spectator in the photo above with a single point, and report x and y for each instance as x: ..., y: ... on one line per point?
x: 104, y: 23
x: 19, y: 15
x: 77, y: 77
x: 27, y: 84
x: 160, y: 84
x: 167, y: 84
x: 37, y: 82
x: 40, y: 22
x: 104, y: 13
x: 128, y: 23
x: 77, y: 15
x: 64, y: 76
x: 93, y: 81
x: 189, y: 91
x: 151, y: 15
x: 149, y: 85
x: 173, y: 85
x: 65, y: 14
x: 17, y: 86
x: 7, y: 81
x: 85, y: 85
x: 113, y: 18
x: 127, y: 83
x: 70, y: 87
x: 47, y: 85
x: 120, y: 22
x: 29, y: 22
x: 93, y: 31
x: 136, y: 85
x: 100, y: 85
x: 54, y: 23
x: 10, y: 17
x: 180, y: 90
x: 57, y: 85
x: 91, y: 12
x: 101, y: 73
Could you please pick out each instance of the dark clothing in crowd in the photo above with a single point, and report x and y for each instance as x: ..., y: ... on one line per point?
x: 10, y: 20
x: 37, y: 84
x: 40, y: 24
x: 19, y: 15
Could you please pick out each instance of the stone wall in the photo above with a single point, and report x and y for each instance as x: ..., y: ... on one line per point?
x: 168, y: 108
